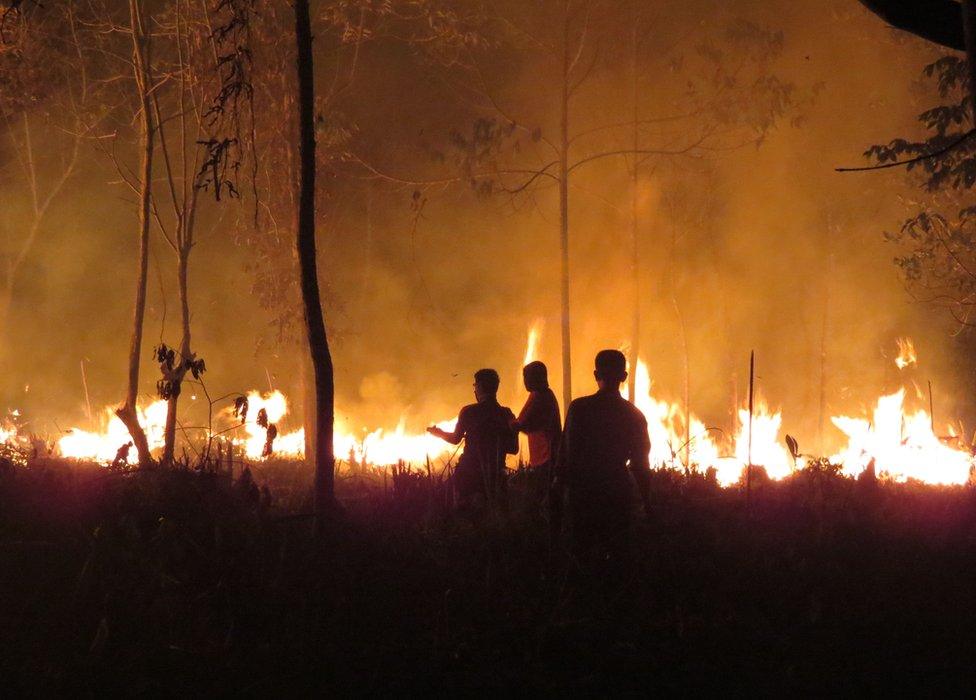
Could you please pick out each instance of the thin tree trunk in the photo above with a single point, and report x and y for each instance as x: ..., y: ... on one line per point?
x: 564, y: 216
x: 186, y: 355
x: 634, y: 247
x: 308, y: 406
x: 143, y: 75
x: 824, y: 326
x: 318, y: 343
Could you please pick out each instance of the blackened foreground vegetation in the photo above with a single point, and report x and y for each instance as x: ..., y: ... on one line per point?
x: 177, y: 582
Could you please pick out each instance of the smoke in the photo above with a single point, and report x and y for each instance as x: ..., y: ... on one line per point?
x: 764, y: 249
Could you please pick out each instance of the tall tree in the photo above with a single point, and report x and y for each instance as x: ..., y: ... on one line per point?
x: 142, y: 35
x: 318, y: 343
x: 724, y: 97
x: 44, y: 89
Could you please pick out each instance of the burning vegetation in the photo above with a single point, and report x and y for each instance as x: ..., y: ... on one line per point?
x: 347, y: 206
x: 891, y: 441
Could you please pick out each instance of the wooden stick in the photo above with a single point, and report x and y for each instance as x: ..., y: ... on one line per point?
x: 752, y: 382
x: 84, y: 382
x: 931, y: 409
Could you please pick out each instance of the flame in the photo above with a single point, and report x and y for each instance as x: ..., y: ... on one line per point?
x: 379, y: 447
x: 532, y: 341
x: 767, y: 450
x: 103, y: 446
x: 671, y: 448
x: 906, y: 353
x: 901, y: 445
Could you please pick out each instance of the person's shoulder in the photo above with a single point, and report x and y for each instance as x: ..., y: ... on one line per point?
x: 506, y: 411
x: 583, y: 402
x: 467, y: 410
x: 636, y: 414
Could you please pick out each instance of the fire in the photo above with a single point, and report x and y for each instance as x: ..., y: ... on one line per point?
x: 906, y: 353
x: 379, y: 447
x: 532, y: 341
x: 901, y: 445
x: 102, y: 447
x: 671, y: 448
x: 276, y: 407
x: 766, y: 449
x: 665, y: 425
x: 898, y: 443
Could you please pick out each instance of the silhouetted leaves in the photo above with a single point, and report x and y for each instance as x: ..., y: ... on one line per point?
x: 240, y: 408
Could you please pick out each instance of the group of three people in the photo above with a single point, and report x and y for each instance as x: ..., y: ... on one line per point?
x: 605, y: 437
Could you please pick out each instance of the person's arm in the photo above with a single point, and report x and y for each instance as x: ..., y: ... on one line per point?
x: 640, y: 463
x: 511, y: 438
x: 455, y: 437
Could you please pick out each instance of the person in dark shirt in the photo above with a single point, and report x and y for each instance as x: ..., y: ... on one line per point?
x: 605, y: 437
x: 539, y: 418
x: 485, y: 427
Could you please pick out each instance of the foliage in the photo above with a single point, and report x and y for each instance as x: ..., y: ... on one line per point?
x: 174, y: 368
x: 937, y: 260
x: 946, y: 123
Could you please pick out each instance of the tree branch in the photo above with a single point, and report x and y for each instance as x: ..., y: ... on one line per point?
x: 910, y: 161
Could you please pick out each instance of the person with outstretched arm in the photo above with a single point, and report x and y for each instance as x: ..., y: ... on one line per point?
x: 485, y: 427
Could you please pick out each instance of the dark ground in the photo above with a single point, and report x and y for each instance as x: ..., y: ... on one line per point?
x: 169, y: 583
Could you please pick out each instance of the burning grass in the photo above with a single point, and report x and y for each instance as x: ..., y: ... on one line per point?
x: 892, y: 438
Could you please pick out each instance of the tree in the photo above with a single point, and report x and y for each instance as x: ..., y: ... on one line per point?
x: 45, y: 84
x: 344, y: 32
x: 199, y: 110
x: 318, y: 343
x: 937, y: 240
x: 142, y: 36
x: 723, y: 104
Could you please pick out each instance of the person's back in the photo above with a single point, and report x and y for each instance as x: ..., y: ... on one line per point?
x: 487, y: 435
x: 486, y: 429
x: 605, y: 433
x: 603, y: 437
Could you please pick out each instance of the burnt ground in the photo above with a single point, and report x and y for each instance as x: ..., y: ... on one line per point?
x: 177, y: 582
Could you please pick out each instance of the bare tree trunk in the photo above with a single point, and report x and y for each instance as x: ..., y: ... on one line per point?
x: 564, y: 216
x: 186, y: 355
x: 6, y: 303
x: 634, y: 247
x: 684, y: 341
x: 143, y: 75
x: 824, y: 326
x: 308, y: 406
x: 318, y: 343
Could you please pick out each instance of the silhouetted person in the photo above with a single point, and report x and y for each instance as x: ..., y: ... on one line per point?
x: 121, y: 460
x: 488, y: 437
x: 604, y: 435
x: 539, y: 418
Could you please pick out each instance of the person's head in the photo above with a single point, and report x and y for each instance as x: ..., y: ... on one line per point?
x: 486, y: 383
x: 611, y: 369
x: 535, y: 375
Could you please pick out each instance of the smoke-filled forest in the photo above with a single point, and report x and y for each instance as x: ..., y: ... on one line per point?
x: 372, y: 346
